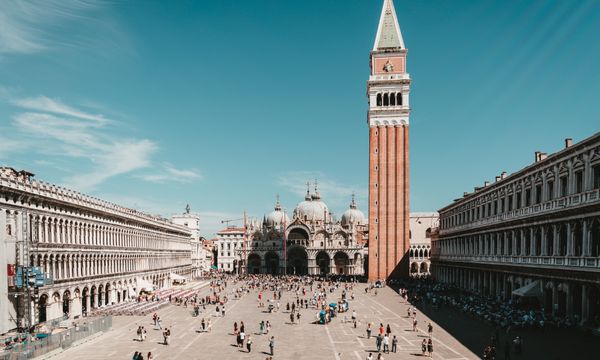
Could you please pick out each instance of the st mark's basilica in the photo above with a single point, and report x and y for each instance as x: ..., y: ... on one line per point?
x: 312, y: 242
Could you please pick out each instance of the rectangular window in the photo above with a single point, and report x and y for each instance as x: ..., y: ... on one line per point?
x: 510, y: 202
x: 596, y: 175
x: 519, y: 198
x: 528, y: 197
x: 489, y: 209
x: 564, y: 186
x: 538, y: 194
x: 502, y: 205
x: 550, y: 190
x: 579, y: 182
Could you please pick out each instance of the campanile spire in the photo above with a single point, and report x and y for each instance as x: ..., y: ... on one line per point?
x: 388, y: 118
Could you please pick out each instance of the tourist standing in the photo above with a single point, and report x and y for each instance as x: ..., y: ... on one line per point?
x: 424, y: 346
x: 249, y: 343
x: 430, y: 347
x: 369, y: 330
x: 386, y: 343
x: 272, y: 345
x: 394, y: 343
x: 430, y: 330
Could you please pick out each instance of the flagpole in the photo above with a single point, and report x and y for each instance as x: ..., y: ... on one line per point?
x: 284, y: 246
x: 245, y: 239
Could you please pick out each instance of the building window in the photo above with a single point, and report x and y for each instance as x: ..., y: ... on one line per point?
x: 564, y: 186
x: 502, y: 205
x: 8, y: 230
x: 538, y: 194
x: 379, y: 103
x: 527, y: 197
x: 550, y: 190
x: 510, y: 202
x: 596, y: 176
x: 578, y: 182
x: 519, y: 200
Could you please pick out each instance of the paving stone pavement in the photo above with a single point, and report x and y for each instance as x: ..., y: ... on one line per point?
x: 337, y: 340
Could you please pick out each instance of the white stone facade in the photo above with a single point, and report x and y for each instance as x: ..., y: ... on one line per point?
x: 422, y: 225
x: 227, y: 242
x: 540, y: 224
x: 315, y: 243
x: 94, y: 250
x: 200, y: 256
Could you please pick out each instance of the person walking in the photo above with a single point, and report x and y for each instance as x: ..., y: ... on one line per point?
x: 414, y: 324
x: 430, y: 347
x: 203, y: 324
x: 394, y: 344
x: 272, y: 345
x: 150, y: 357
x: 424, y: 346
x: 386, y: 344
x: 369, y: 330
x: 370, y: 357
x: 388, y: 330
x: 242, y: 338
x: 249, y: 344
x: 378, y: 341
x: 430, y: 330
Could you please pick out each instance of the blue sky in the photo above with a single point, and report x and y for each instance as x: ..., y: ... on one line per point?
x: 224, y: 104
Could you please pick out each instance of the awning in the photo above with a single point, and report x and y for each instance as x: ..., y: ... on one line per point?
x: 144, y: 285
x: 177, y: 277
x: 532, y: 289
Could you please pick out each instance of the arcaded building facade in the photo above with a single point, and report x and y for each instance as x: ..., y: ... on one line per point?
x: 311, y: 242
x: 537, y: 229
x: 388, y: 118
x: 422, y: 227
x: 95, y: 251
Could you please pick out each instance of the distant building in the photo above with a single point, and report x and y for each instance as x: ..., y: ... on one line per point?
x: 422, y: 226
x: 201, y: 261
x: 96, y: 252
x: 225, y: 244
x: 534, y: 233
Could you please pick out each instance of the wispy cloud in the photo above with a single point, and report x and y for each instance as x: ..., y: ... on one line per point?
x: 51, y: 127
x: 168, y: 173
x: 25, y: 25
x: 334, y: 192
x: 30, y: 27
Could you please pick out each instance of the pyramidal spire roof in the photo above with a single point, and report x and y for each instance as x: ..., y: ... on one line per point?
x: 388, y: 31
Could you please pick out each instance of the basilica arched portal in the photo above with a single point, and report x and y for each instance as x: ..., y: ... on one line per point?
x: 254, y: 264
x: 297, y: 261
x: 272, y: 263
x: 323, y: 262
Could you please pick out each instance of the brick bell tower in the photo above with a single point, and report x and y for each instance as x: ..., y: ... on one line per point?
x: 388, y: 89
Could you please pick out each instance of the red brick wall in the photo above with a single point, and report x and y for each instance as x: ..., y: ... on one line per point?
x: 388, y: 200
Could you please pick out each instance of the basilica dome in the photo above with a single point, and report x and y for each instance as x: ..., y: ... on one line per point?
x: 312, y: 208
x: 353, y: 215
x: 277, y: 217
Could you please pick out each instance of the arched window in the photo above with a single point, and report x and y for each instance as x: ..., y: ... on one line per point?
x: 379, y: 102
x: 399, y: 98
x: 393, y: 99
x: 386, y: 100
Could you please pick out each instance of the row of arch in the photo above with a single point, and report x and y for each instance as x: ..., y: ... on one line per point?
x: 65, y: 266
x: 389, y: 99
x: 81, y: 300
x: 573, y: 299
x: 299, y: 262
x: 48, y: 229
x: 419, y: 252
x: 578, y: 238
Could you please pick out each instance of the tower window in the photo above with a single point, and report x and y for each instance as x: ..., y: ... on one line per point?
x: 393, y: 99
x: 379, y: 101
x: 386, y: 100
x: 399, y: 98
